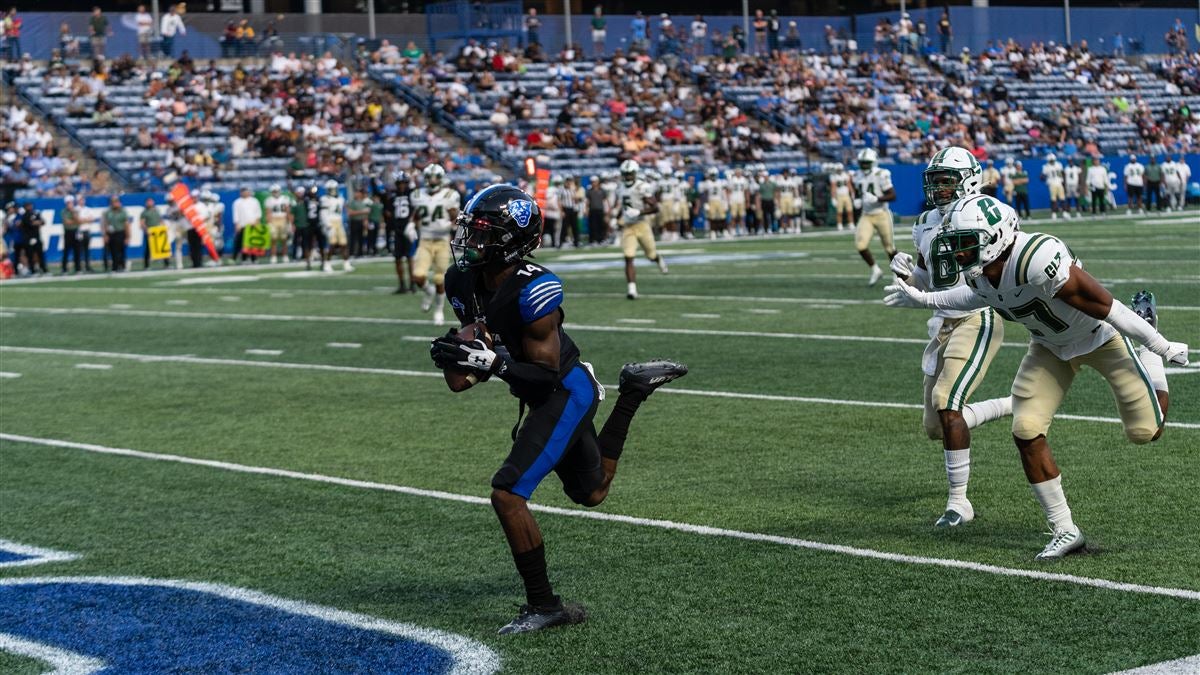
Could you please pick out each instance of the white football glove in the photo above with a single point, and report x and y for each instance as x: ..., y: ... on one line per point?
x: 1176, y: 353
x: 869, y: 199
x: 410, y: 232
x: 630, y: 215
x: 900, y: 294
x: 903, y: 265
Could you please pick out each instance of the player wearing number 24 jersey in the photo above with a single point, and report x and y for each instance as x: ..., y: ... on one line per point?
x: 1073, y: 321
x: 434, y: 209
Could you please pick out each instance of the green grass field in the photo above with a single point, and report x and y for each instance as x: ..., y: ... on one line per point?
x: 800, y: 420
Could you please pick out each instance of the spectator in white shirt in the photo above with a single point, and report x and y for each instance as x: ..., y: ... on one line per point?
x: 1097, y: 182
x: 170, y: 26
x: 145, y: 31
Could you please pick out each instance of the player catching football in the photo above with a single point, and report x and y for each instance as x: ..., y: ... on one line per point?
x: 519, y: 304
x: 1073, y: 321
x: 962, y: 342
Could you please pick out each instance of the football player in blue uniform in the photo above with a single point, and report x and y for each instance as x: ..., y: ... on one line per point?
x: 520, y: 302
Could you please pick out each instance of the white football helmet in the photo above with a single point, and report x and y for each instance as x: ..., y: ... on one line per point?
x: 976, y: 231
x: 629, y: 171
x: 331, y: 187
x: 1051, y: 158
x: 275, y: 189
x: 867, y: 159
x: 434, y: 175
x: 712, y: 173
x: 1009, y: 161
x: 953, y: 173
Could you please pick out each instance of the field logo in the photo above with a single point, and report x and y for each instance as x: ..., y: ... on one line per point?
x: 120, y: 624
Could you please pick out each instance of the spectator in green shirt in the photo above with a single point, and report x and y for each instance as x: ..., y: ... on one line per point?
x: 1154, y: 184
x: 99, y: 31
x: 412, y: 51
x: 116, y: 222
x: 150, y: 218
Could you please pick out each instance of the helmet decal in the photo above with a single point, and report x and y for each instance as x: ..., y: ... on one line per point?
x: 520, y: 210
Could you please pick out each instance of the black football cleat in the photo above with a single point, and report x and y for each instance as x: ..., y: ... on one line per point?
x: 648, y: 376
x: 532, y: 617
x: 1144, y: 306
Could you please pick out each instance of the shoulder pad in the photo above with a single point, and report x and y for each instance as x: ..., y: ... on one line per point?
x: 540, y: 296
x: 1043, y: 261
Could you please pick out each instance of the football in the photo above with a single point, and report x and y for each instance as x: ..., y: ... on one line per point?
x: 463, y: 379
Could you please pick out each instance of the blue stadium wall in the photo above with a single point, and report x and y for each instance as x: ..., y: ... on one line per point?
x: 906, y: 177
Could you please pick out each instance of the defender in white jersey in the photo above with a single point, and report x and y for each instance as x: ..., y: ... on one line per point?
x: 1073, y: 321
x: 636, y: 207
x: 873, y: 187
x: 962, y: 342
x: 1053, y: 177
x: 279, y: 219
x: 435, y: 207
x: 1135, y: 182
x: 333, y: 208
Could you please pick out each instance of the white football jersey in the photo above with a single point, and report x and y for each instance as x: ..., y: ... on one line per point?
x: 1038, y: 268
x: 737, y: 186
x: 431, y: 211
x: 926, y: 228
x: 680, y: 189
x: 331, y: 207
x: 634, y: 196
x: 1007, y: 174
x: 1052, y: 173
x: 876, y: 182
x: 713, y: 190
x: 1071, y: 174
x: 1134, y: 173
x: 840, y: 183
x: 278, y: 207
x: 1170, y: 172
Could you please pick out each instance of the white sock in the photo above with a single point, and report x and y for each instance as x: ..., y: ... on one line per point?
x: 631, y: 288
x: 958, y: 471
x: 1050, y: 495
x: 438, y: 301
x: 430, y: 289
x: 875, y: 268
x: 982, y: 412
x: 1153, y: 363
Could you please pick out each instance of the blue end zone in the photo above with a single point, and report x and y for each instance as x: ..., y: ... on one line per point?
x: 146, y: 628
x: 9, y: 556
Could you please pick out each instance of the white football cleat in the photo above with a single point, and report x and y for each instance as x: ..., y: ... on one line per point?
x: 662, y: 263
x: 876, y: 273
x: 327, y: 267
x: 1062, y: 543
x: 438, y: 317
x: 347, y: 267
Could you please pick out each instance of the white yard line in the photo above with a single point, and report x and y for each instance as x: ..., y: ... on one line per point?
x: 344, y: 345
x: 284, y: 365
x: 5, y: 375
x: 704, y: 530
x: 264, y: 352
x: 94, y: 366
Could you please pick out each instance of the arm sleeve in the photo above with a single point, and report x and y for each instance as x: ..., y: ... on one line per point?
x: 961, y: 298
x: 919, y: 278
x: 527, y: 380
x: 1133, y: 326
x: 540, y: 297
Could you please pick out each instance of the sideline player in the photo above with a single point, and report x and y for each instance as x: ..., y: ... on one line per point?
x: 1073, y: 321
x: 397, y: 212
x: 843, y: 195
x: 520, y: 302
x: 306, y: 217
x: 1135, y: 180
x: 873, y: 185
x: 1072, y: 174
x: 637, y: 204
x: 435, y: 208
x: 333, y: 221
x: 716, y: 203
x: 737, y: 185
x: 1052, y: 176
x: 279, y: 219
x: 963, y: 342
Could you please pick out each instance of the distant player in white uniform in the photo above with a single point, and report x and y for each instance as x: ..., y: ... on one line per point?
x: 212, y: 213
x: 1071, y: 175
x: 873, y: 187
x: 736, y: 186
x: 715, y: 194
x: 435, y: 208
x: 1052, y: 176
x: 1175, y: 176
x: 1006, y: 177
x: 333, y: 209
x: 962, y: 342
x: 1073, y: 321
x: 841, y: 190
x: 279, y: 219
x: 636, y: 208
